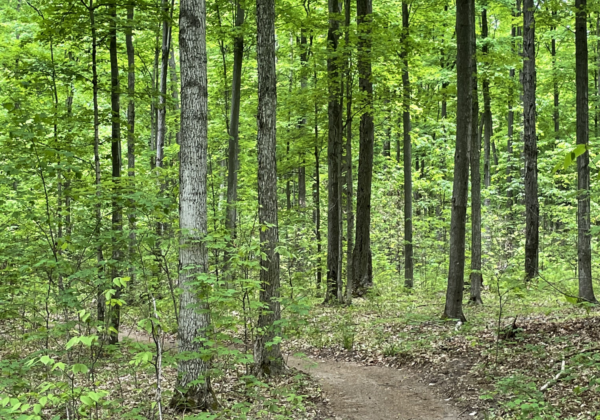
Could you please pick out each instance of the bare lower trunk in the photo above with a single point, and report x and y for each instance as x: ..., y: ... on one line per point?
x: 267, y: 355
x: 362, y: 257
x: 161, y: 122
x: 407, y: 149
x: 334, y: 158
x: 584, y: 245
x: 532, y: 208
x: 464, y: 112
x: 117, y: 207
x: 234, y: 126
x: 193, y: 390
x: 349, y: 182
x: 131, y: 134
x: 487, y: 111
x: 475, y: 157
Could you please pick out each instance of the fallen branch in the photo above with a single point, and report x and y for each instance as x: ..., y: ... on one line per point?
x: 556, y: 378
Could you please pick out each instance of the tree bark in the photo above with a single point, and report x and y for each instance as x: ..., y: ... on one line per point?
x: 555, y: 91
x: 131, y: 132
x: 532, y: 208
x: 194, y: 311
x: 349, y: 181
x: 362, y: 257
x: 464, y: 112
x: 334, y: 157
x: 475, y: 157
x: 302, y: 125
x: 234, y: 126
x: 487, y: 109
x: 584, y: 245
x: 267, y: 355
x: 117, y: 207
x: 161, y: 122
x: 407, y: 150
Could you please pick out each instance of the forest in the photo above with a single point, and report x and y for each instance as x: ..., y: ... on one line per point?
x: 299, y: 209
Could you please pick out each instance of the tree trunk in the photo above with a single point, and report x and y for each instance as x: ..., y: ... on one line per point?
x: 584, y: 245
x: 194, y: 313
x: 464, y: 112
x: 487, y: 110
x: 234, y: 126
x: 475, y: 155
x: 407, y: 150
x: 268, y: 358
x: 334, y: 157
x: 161, y: 122
x: 362, y: 258
x: 131, y: 133
x: 556, y: 113
x: 349, y: 182
x: 510, y: 121
x: 101, y: 309
x: 302, y: 125
x: 117, y: 207
x: 532, y: 208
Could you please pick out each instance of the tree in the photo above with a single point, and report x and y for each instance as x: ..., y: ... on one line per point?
x: 234, y: 127
x: 584, y: 245
x: 532, y: 207
x: 407, y: 150
x: 362, y: 257
x: 267, y: 355
x: 475, y: 159
x: 334, y: 159
x: 115, y: 154
x: 464, y: 87
x: 348, y: 146
x: 193, y: 389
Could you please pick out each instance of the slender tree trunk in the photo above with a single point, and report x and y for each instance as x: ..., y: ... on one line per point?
x: 407, y: 150
x: 532, y: 208
x: 174, y: 87
x: 317, y: 191
x: 464, y: 113
x: 267, y: 355
x: 556, y: 113
x: 194, y: 313
x: 475, y: 155
x: 334, y: 156
x: 349, y: 182
x: 302, y: 124
x: 234, y: 126
x: 161, y: 122
x: 487, y: 109
x: 584, y: 245
x: 362, y: 257
x: 117, y: 207
x: 99, y: 252
x: 131, y: 133
x: 510, y: 121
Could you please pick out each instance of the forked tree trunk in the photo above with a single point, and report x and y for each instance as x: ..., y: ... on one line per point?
x: 334, y: 157
x: 475, y: 159
x: 407, y: 150
x: 532, y: 208
x: 362, y: 257
x: 584, y: 245
x: 117, y: 207
x: 193, y: 388
x: 464, y: 112
x: 267, y: 355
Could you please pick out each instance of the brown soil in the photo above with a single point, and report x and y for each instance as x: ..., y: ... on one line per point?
x: 357, y: 392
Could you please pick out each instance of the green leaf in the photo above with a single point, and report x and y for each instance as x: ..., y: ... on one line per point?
x: 86, y: 400
x: 80, y: 367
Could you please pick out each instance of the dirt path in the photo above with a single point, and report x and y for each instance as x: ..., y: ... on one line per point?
x: 357, y: 392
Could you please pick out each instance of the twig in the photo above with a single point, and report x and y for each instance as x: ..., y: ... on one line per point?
x: 556, y: 378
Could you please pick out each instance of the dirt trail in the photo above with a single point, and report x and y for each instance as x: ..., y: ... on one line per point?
x: 357, y: 392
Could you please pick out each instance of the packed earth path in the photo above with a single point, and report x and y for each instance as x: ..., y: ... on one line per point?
x: 358, y: 392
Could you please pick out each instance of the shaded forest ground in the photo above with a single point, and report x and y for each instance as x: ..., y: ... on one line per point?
x: 544, y: 365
